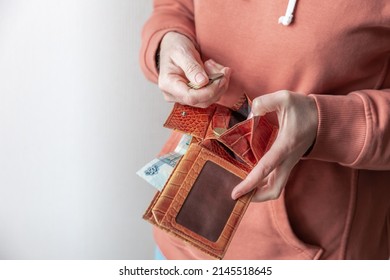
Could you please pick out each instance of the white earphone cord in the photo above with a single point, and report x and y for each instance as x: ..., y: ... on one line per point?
x: 288, y: 17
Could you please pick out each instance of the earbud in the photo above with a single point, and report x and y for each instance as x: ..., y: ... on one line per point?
x: 286, y: 20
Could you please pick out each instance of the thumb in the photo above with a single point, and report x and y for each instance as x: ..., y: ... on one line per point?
x: 193, y: 70
x: 268, y: 103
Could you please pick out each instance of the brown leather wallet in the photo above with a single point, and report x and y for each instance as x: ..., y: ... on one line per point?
x: 195, y: 203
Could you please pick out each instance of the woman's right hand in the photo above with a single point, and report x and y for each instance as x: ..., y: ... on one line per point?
x: 180, y: 63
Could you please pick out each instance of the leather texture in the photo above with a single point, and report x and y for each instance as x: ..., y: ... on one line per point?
x: 231, y: 152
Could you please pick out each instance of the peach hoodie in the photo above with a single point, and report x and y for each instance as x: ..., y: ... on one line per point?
x: 336, y: 204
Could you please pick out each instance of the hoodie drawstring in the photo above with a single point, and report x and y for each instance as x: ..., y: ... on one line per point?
x: 288, y: 17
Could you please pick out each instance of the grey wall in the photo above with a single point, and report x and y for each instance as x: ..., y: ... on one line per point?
x: 77, y: 120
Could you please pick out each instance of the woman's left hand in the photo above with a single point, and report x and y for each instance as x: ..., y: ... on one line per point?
x: 298, y: 119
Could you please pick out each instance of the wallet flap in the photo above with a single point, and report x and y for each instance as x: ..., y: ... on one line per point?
x: 263, y: 136
x: 249, y: 139
x: 224, y: 152
x: 148, y: 215
x: 190, y: 120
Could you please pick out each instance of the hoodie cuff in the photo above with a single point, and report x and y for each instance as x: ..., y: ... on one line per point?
x: 342, y: 129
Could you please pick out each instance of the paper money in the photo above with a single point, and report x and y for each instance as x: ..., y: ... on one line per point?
x: 158, y: 170
x: 183, y: 144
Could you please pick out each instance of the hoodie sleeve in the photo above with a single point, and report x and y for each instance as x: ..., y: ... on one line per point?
x: 354, y: 130
x: 168, y: 15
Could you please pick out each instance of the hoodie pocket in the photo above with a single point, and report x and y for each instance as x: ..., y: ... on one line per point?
x: 265, y: 234
x: 283, y: 227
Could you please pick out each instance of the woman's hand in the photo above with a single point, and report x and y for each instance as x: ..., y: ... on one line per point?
x: 298, y: 119
x: 180, y: 62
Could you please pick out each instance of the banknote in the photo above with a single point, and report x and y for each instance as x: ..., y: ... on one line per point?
x: 157, y: 172
x: 183, y: 144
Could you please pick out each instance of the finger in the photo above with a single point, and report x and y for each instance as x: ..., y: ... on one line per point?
x: 275, y: 185
x: 175, y: 89
x: 212, y: 67
x: 192, y: 68
x: 169, y: 97
x: 273, y: 158
x: 173, y: 83
x: 213, y: 92
x: 269, y: 102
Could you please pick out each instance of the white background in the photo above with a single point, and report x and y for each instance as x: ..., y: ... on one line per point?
x: 77, y: 120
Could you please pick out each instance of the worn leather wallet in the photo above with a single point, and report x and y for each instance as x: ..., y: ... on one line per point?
x: 195, y: 204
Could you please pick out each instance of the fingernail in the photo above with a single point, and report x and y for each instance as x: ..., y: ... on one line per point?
x: 209, y: 63
x: 236, y: 195
x: 200, y: 78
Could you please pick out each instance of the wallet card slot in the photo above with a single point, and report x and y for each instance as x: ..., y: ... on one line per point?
x: 250, y: 139
x: 240, y: 115
x: 171, y: 188
x: 208, y: 205
x: 238, y: 139
x: 263, y: 136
